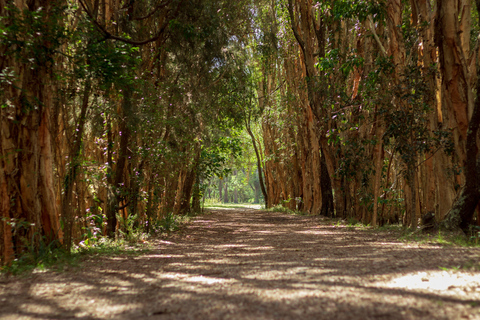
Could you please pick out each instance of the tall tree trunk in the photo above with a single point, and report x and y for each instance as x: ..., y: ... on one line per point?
x: 225, y: 193
x: 310, y: 35
x: 179, y: 193
x: 256, y: 184
x: 119, y: 176
x: 220, y: 189
x: 26, y: 161
x: 235, y: 190
x: 73, y: 169
x: 454, y: 69
x: 196, y: 197
x: 327, y: 208
x: 462, y: 212
x: 455, y: 75
x: 259, y: 166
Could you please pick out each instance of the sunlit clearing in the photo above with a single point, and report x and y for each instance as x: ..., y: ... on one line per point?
x: 195, y: 279
x: 438, y: 281
x: 166, y: 242
x: 164, y: 256
x: 205, y: 280
x: 37, y: 308
x: 231, y: 246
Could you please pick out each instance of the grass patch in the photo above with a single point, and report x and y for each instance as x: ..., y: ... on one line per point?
x: 442, y: 238
x: 409, y: 235
x: 439, y: 237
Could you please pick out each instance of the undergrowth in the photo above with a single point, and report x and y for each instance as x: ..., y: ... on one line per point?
x: 130, y: 240
x: 441, y: 237
x: 59, y: 259
x: 281, y: 208
x: 437, y: 237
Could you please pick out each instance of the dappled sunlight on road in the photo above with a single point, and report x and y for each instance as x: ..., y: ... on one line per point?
x: 299, y: 268
x: 439, y: 281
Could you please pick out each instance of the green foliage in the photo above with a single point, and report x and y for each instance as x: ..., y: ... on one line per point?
x: 350, y: 223
x: 441, y: 238
x: 32, y: 37
x: 408, y: 123
x: 170, y: 223
x: 47, y: 256
x: 59, y: 260
x: 280, y: 208
x: 131, y: 231
x: 213, y: 158
x: 361, y: 9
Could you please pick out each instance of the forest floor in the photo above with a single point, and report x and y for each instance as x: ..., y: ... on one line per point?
x: 251, y: 264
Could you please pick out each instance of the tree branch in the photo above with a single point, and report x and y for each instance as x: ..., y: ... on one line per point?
x: 160, y: 6
x: 372, y: 28
x: 295, y: 32
x: 107, y: 35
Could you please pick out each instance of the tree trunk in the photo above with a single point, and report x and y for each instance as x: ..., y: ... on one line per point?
x: 27, y: 190
x: 327, y: 208
x: 220, y: 189
x: 179, y: 193
x: 73, y: 169
x: 455, y: 78
x: 197, y: 196
x: 259, y: 167
x: 256, y: 184
x: 119, y: 177
x: 235, y: 190
x: 225, y: 193
x: 462, y: 212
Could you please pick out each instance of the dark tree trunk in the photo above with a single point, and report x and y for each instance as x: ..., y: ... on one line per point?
x: 73, y: 168
x: 235, y: 191
x: 220, y: 190
x: 196, y: 197
x: 259, y: 167
x: 257, y: 192
x: 326, y: 188
x: 225, y: 193
x: 119, y: 176
x: 187, y: 192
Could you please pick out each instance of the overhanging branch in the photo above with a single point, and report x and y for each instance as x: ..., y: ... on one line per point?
x: 107, y: 35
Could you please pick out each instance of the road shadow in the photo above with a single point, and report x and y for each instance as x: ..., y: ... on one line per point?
x: 255, y: 265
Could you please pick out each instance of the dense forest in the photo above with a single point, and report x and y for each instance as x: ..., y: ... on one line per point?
x: 117, y: 113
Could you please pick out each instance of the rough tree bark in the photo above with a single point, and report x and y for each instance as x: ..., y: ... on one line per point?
x: 259, y: 164
x: 27, y: 196
x: 462, y: 211
x: 115, y: 194
x: 310, y: 36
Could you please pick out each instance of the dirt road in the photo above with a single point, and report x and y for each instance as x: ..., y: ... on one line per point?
x: 248, y: 264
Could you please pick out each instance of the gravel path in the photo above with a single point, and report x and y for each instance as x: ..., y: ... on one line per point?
x: 249, y: 264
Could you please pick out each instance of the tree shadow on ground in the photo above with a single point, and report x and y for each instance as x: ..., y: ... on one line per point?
x: 254, y: 265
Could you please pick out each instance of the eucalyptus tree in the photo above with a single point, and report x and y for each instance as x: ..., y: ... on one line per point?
x: 367, y: 108
x: 458, y: 64
x: 30, y: 35
x: 108, y: 110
